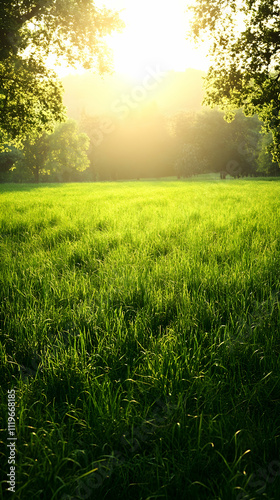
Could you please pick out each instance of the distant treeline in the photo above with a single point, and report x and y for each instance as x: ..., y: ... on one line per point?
x: 141, y: 145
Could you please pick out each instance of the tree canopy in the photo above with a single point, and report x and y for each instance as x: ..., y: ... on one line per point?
x: 207, y: 143
x: 58, y: 155
x: 31, y: 31
x: 145, y: 144
x: 245, y: 57
x: 67, y: 150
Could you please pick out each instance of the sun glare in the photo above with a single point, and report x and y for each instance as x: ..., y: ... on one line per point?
x: 155, y: 35
x: 154, y: 38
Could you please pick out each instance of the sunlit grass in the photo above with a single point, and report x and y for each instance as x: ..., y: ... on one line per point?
x: 140, y: 329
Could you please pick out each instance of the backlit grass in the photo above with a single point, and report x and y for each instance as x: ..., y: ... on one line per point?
x: 140, y: 330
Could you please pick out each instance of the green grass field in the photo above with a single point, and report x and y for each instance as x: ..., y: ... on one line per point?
x: 140, y: 331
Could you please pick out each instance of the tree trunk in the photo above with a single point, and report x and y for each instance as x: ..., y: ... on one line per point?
x: 36, y: 175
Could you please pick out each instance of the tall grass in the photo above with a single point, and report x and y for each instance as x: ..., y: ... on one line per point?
x: 140, y: 329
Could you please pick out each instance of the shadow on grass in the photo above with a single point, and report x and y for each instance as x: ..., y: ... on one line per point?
x: 209, y: 178
x: 14, y: 187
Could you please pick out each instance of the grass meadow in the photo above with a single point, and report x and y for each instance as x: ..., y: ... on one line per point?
x: 140, y: 331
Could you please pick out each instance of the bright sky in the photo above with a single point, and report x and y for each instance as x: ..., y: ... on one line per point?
x: 155, y: 36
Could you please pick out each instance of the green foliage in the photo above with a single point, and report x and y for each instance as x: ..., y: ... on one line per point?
x: 30, y: 99
x: 265, y: 158
x: 245, y: 57
x: 34, y: 156
x: 71, y: 29
x: 145, y: 144
x: 58, y: 155
x: 30, y: 31
x: 67, y: 151
x: 211, y: 144
x: 8, y: 158
x: 190, y: 162
x: 139, y: 327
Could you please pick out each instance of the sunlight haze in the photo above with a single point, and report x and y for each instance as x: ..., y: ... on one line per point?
x: 154, y: 36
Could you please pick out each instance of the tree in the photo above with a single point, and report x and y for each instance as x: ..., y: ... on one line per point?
x: 30, y: 100
x: 190, y: 161
x: 228, y: 148
x: 7, y: 160
x: 265, y: 162
x: 30, y: 32
x: 58, y: 156
x: 67, y: 151
x: 245, y: 50
x: 34, y: 156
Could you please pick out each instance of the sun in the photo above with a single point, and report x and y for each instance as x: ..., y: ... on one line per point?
x: 154, y: 39
x: 155, y: 35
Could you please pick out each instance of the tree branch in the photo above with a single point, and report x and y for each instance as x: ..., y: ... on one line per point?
x: 33, y: 13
